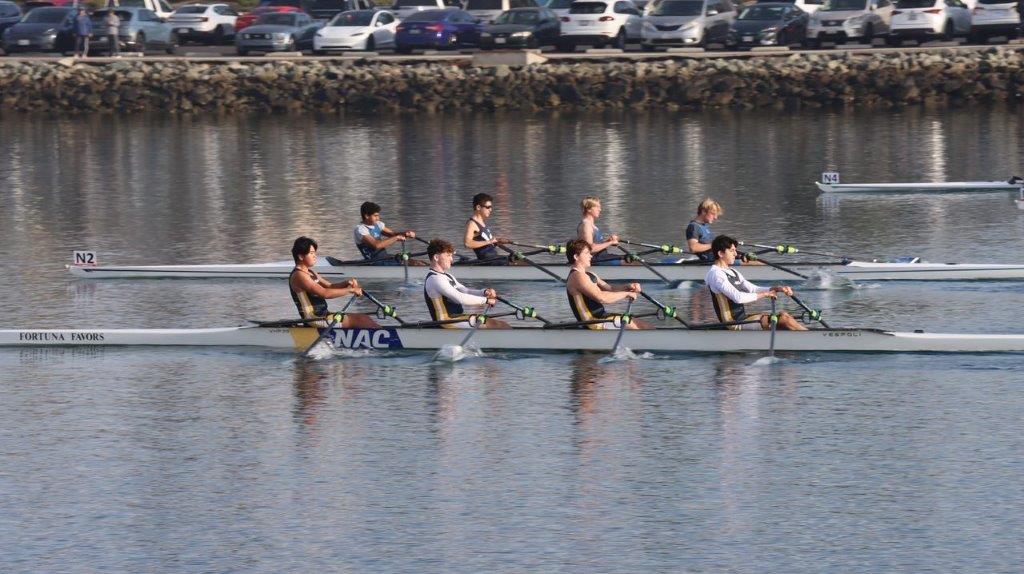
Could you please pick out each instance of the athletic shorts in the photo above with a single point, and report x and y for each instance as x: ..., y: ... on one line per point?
x: 610, y: 324
x: 748, y: 326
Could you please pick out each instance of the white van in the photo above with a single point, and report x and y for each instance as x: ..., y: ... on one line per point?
x: 485, y: 11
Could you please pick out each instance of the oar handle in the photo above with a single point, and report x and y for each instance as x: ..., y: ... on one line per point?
x: 385, y: 310
x: 551, y: 248
x: 664, y: 247
x: 814, y: 314
x: 665, y: 311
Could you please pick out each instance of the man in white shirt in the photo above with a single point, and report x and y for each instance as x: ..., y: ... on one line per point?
x: 447, y: 298
x: 730, y: 292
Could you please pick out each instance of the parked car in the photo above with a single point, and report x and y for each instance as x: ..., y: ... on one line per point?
x: 485, y: 11
x: 46, y: 29
x: 809, y: 6
x: 928, y: 19
x: 208, y: 23
x: 160, y: 7
x: 141, y: 30
x: 405, y: 8
x: 995, y: 18
x: 559, y: 7
x: 849, y: 20
x: 357, y: 30
x: 522, y: 28
x: 327, y: 9
x: 768, y: 24
x: 687, y: 23
x: 600, y: 23
x: 10, y: 14
x: 278, y: 32
x: 249, y: 18
x: 437, y: 29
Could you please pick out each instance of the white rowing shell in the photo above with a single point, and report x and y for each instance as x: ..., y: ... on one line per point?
x: 943, y: 187
x: 525, y: 339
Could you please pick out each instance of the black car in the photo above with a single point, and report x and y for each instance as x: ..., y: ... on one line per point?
x: 10, y: 14
x: 522, y: 28
x: 44, y: 29
x: 768, y: 24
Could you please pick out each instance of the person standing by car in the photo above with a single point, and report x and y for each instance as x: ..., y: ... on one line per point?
x: 83, y: 30
x: 112, y: 23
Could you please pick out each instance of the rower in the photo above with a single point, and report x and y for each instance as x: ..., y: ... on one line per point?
x: 310, y: 291
x: 588, y: 231
x: 588, y: 293
x: 699, y: 235
x: 447, y: 298
x: 373, y: 237
x: 730, y: 292
x: 479, y: 237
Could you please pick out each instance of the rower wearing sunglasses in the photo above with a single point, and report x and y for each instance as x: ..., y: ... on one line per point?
x: 478, y: 235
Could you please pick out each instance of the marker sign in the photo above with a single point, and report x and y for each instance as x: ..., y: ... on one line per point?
x: 84, y: 258
x: 830, y: 177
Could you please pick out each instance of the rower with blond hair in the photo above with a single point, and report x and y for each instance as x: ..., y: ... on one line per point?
x: 587, y: 230
x: 699, y: 236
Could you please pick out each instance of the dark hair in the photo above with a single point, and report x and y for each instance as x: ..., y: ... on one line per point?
x: 481, y: 198
x: 439, y: 246
x: 302, y: 246
x: 368, y: 208
x: 722, y: 243
x: 574, y: 247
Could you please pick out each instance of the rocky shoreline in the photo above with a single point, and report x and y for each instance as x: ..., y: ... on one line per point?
x: 884, y: 79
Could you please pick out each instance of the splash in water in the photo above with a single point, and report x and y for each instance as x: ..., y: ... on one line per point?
x: 825, y: 279
x: 456, y: 353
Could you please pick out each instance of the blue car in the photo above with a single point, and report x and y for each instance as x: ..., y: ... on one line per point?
x: 44, y: 29
x: 437, y: 29
x: 10, y: 14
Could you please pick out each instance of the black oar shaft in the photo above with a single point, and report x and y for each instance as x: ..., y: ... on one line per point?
x: 532, y: 263
x: 814, y: 313
x: 388, y: 310
x: 645, y: 264
x: 665, y: 309
x: 781, y: 268
x: 526, y: 311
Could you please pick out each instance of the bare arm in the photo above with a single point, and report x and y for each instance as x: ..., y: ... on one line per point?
x: 696, y: 246
x: 597, y: 292
x: 322, y: 288
x: 586, y: 232
x: 467, y: 238
x: 381, y: 243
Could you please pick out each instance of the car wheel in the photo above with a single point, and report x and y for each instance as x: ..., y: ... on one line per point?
x: 371, y: 46
x: 291, y: 46
x: 218, y: 35
x: 242, y: 52
x: 620, y: 40
x: 947, y: 31
x: 140, y: 41
x: 172, y: 44
x: 869, y: 34
x: 782, y: 40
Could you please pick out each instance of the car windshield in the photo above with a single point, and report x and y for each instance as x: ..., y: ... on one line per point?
x: 756, y: 12
x: 518, y: 17
x: 837, y: 5
x: 678, y: 8
x: 190, y: 10
x: 405, y: 3
x: 353, y: 18
x: 588, y: 8
x: 483, y: 5
x: 132, y: 3
x: 9, y: 10
x: 426, y: 16
x: 46, y: 16
x: 559, y: 4
x: 296, y: 3
x: 905, y: 4
x: 328, y: 5
x: 122, y: 15
x: 277, y: 19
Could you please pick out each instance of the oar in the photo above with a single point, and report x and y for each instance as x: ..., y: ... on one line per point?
x: 814, y: 314
x: 337, y: 317
x: 596, y: 321
x: 523, y: 313
x: 552, y: 249
x: 665, y: 309
x: 631, y: 256
x: 517, y: 255
x: 385, y: 310
x: 664, y: 248
x: 622, y: 327
x: 783, y: 249
x: 753, y: 257
x: 773, y: 319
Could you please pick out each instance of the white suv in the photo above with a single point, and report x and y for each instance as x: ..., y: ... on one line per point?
x: 845, y: 20
x: 599, y: 23
x: 204, y: 22
x: 687, y: 23
x: 925, y: 19
x: 995, y: 18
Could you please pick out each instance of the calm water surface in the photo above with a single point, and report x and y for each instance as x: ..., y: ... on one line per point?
x: 169, y: 460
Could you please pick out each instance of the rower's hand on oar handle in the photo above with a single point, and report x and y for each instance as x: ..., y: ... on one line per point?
x: 770, y: 294
x: 635, y: 288
x: 784, y: 289
x: 409, y: 234
x: 613, y: 239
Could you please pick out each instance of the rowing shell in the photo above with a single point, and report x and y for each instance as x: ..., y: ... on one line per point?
x: 526, y: 339
x: 944, y: 187
x: 855, y: 270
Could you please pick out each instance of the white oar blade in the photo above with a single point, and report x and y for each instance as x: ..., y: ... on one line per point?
x: 456, y: 353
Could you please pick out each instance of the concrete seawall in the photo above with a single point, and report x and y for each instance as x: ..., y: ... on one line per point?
x: 879, y: 80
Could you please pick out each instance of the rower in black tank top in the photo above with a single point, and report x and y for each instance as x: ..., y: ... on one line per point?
x: 487, y: 253
x: 584, y: 308
x: 310, y: 306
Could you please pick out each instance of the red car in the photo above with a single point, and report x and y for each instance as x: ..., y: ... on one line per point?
x: 249, y: 18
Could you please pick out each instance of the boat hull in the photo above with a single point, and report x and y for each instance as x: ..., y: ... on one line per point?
x: 856, y: 270
x: 946, y: 187
x: 525, y: 339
